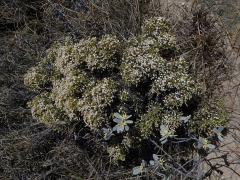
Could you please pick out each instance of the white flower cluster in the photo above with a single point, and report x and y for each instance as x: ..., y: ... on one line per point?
x: 69, y: 77
x: 171, y: 119
x: 175, y: 78
x: 116, y: 153
x: 155, y: 116
x: 95, y: 103
x: 142, y: 62
x: 96, y: 55
x: 37, y: 77
x: 103, y: 55
x: 138, y: 67
x: 158, y: 28
x: 44, y: 109
x: 64, y: 60
x: 65, y: 92
x: 70, y: 57
x: 208, y: 117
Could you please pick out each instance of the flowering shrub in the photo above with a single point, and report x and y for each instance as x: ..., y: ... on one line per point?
x: 134, y: 94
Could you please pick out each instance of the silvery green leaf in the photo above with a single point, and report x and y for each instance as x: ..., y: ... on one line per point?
x: 107, y: 137
x: 105, y: 130
x: 199, y: 146
x: 151, y: 162
x: 215, y: 130
x: 143, y: 164
x: 129, y: 116
x: 185, y: 119
x: 218, y: 130
x: 122, y: 123
x: 116, y: 120
x: 115, y: 128
x: 200, y: 143
x: 163, y: 140
x: 163, y: 127
x: 62, y: 122
x: 137, y: 170
x: 155, y: 157
x: 201, y: 140
x: 166, y: 178
x: 220, y: 138
x: 221, y: 128
x: 107, y: 133
x: 129, y: 121
x: 211, y: 146
x: 117, y: 115
x: 120, y: 129
x: 126, y: 128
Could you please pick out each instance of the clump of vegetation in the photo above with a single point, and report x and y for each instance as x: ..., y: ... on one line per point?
x: 140, y: 134
x: 133, y: 97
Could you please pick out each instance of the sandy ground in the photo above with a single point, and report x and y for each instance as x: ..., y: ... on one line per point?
x: 231, y: 144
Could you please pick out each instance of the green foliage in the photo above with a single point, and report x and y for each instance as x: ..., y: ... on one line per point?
x: 96, y: 102
x: 209, y: 116
x: 150, y: 120
x: 44, y: 109
x: 145, y: 79
x: 116, y: 153
x: 37, y: 77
